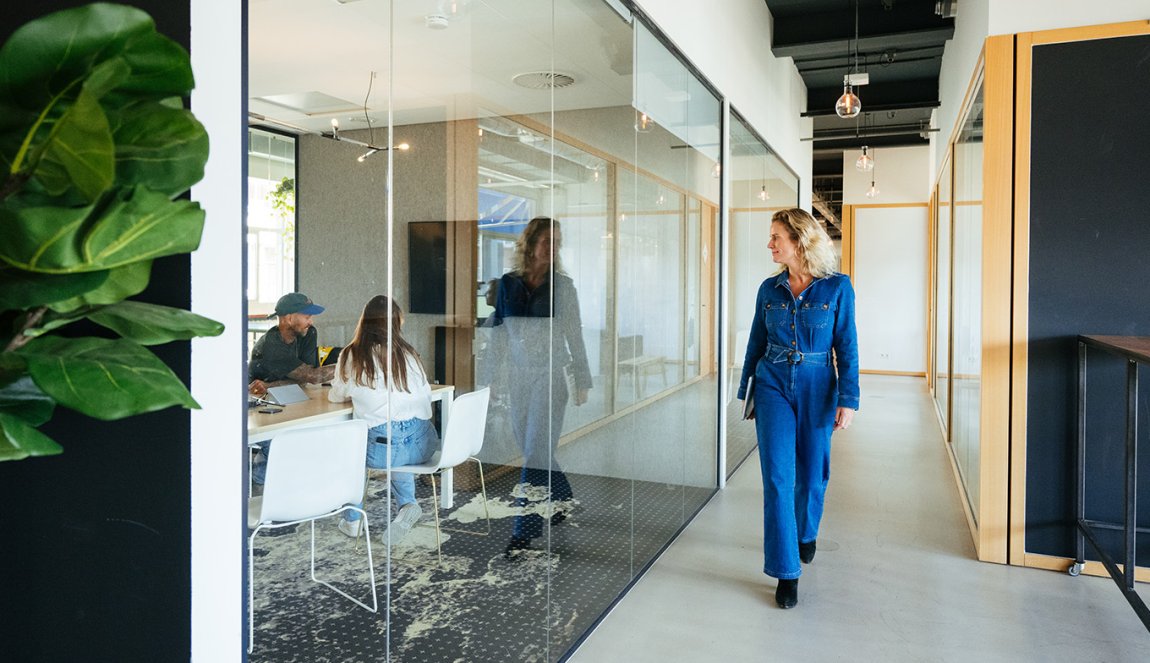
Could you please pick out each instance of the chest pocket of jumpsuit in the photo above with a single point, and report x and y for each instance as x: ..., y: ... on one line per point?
x: 816, y: 315
x: 777, y: 314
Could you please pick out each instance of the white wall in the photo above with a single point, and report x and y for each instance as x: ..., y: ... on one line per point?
x: 901, y: 174
x: 890, y: 280
x: 729, y: 41
x: 217, y: 363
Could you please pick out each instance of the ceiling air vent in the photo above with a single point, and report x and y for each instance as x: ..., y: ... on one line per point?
x: 544, y: 80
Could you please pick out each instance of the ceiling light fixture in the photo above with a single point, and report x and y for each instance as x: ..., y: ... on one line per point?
x: 865, y: 162
x: 372, y: 148
x: 763, y: 195
x: 849, y: 105
x: 643, y: 123
x: 872, y: 192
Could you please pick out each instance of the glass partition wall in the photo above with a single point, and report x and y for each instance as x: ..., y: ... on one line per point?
x: 601, y: 434
x: 760, y: 186
x: 957, y: 327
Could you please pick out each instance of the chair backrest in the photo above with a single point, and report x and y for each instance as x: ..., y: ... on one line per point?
x: 464, y: 435
x: 314, y: 470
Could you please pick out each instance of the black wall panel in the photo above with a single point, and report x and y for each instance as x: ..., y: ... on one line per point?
x: 95, y: 544
x: 1089, y: 274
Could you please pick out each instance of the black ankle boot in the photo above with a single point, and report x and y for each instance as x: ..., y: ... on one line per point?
x: 787, y: 594
x: 515, y: 546
x: 807, y: 552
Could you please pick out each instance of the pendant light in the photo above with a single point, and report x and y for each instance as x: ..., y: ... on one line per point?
x: 865, y: 162
x: 762, y: 194
x: 872, y: 192
x: 849, y: 105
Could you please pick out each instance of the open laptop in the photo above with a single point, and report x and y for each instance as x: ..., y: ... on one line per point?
x: 286, y: 394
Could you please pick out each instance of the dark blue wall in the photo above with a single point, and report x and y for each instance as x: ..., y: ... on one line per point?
x: 95, y: 543
x: 1089, y: 274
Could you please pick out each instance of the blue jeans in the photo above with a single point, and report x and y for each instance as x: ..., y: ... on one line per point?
x: 794, y: 416
x: 538, y: 402
x: 412, y: 441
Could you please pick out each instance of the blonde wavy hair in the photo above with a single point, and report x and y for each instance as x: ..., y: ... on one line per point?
x: 815, y: 249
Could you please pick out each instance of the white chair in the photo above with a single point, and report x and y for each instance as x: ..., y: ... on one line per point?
x: 315, y: 472
x: 462, y: 441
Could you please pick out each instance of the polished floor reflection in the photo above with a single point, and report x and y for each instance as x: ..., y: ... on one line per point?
x: 894, y: 580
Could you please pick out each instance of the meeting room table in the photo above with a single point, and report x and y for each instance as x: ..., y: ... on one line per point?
x: 264, y: 425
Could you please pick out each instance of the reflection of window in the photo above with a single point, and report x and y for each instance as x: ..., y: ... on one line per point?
x: 271, y: 219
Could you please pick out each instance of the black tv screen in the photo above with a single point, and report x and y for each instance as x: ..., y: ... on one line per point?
x: 427, y: 267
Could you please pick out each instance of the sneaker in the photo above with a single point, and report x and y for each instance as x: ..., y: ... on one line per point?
x: 408, y: 515
x: 351, y: 528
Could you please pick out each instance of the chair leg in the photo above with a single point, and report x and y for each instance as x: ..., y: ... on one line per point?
x: 435, y: 512
x: 483, y: 488
x: 370, y: 568
x: 251, y: 592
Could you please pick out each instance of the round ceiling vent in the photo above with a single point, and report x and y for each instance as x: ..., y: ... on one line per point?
x: 544, y: 80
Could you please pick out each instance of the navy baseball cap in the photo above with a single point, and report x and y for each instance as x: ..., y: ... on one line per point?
x: 296, y: 302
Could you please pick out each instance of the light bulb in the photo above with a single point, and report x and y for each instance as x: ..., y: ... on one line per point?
x: 872, y: 192
x: 763, y: 195
x: 716, y: 171
x: 643, y: 124
x: 403, y: 147
x: 865, y: 162
x: 848, y: 105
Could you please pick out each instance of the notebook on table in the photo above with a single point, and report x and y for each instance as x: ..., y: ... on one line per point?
x: 286, y: 394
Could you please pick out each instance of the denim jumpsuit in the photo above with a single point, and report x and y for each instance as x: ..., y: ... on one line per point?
x: 539, y: 334
x: 796, y: 393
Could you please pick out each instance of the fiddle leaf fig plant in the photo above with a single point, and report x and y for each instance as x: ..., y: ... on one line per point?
x: 96, y: 149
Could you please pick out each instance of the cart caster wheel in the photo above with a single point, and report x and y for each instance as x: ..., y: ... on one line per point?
x: 1075, y: 569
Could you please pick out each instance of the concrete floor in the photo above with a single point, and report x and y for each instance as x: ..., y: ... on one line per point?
x: 895, y: 577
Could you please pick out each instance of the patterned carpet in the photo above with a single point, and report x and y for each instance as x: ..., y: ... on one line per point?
x: 475, y: 606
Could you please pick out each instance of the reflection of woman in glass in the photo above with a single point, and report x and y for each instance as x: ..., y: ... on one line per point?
x: 539, y: 337
x: 804, y: 319
x: 388, y: 388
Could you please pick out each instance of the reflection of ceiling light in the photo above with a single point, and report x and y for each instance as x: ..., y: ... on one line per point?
x: 872, y: 192
x: 865, y: 162
x: 643, y: 123
x: 763, y: 195
x: 716, y: 170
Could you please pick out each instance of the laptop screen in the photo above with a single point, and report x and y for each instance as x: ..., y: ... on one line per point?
x: 286, y: 394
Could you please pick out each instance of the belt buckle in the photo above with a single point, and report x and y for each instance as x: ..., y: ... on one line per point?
x: 791, y: 357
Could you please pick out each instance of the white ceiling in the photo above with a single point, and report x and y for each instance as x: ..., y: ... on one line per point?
x: 300, y: 47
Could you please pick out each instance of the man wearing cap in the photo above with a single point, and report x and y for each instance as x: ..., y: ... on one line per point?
x: 289, y: 352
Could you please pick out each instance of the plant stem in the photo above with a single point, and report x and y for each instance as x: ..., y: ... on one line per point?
x: 19, y: 339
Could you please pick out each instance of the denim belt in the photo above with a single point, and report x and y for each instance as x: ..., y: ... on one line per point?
x: 777, y: 354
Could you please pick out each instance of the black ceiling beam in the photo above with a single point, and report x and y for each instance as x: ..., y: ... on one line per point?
x: 918, y: 93
x: 908, y: 25
x: 872, y: 142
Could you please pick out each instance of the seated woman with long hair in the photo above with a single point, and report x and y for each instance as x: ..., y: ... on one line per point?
x: 382, y: 375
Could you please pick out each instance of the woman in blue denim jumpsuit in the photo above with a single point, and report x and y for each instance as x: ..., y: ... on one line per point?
x: 538, y: 334
x: 803, y: 330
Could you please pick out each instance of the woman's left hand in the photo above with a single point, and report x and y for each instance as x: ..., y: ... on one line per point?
x: 843, y: 418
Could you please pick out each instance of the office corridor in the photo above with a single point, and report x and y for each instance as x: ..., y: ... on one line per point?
x: 894, y: 579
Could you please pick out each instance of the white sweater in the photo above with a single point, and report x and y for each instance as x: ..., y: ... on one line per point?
x: 372, y: 403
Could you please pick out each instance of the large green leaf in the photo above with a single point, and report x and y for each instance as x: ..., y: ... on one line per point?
x: 151, y: 324
x: 160, y: 68
x: 122, y: 282
x: 80, y: 152
x: 105, y: 379
x: 137, y: 224
x: 48, y: 56
x: 18, y: 440
x: 20, y: 290
x: 25, y: 400
x: 161, y: 147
